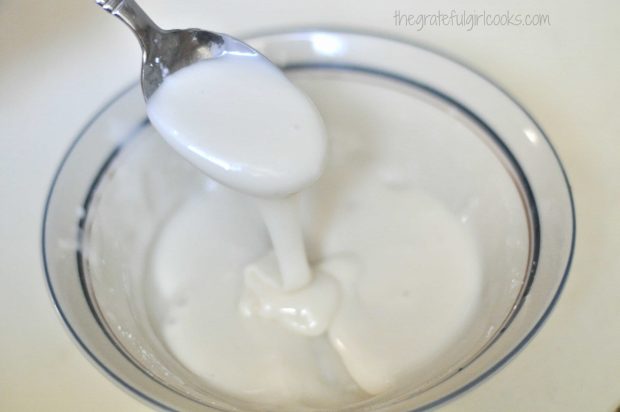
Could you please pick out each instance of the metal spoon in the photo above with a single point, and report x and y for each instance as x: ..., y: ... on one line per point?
x: 167, y: 51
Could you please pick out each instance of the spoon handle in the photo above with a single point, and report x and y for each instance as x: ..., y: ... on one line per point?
x: 133, y: 16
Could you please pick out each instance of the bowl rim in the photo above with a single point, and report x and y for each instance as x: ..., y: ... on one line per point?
x: 334, y: 31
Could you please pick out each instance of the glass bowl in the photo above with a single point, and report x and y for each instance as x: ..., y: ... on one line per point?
x: 472, y: 147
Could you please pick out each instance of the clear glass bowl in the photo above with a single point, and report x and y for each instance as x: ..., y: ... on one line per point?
x: 514, y: 197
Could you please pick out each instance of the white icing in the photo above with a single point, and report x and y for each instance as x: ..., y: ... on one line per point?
x: 395, y: 275
x: 243, y: 123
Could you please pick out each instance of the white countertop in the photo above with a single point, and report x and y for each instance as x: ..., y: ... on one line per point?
x: 62, y: 59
